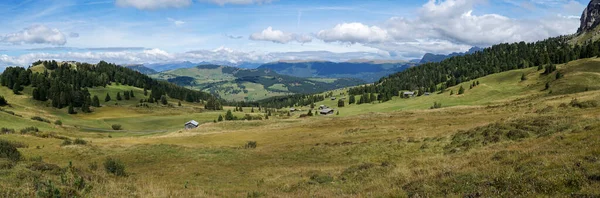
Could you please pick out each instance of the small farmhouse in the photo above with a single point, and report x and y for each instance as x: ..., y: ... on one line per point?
x: 192, y: 124
x: 292, y: 109
x: 333, y: 98
x: 326, y: 111
x: 427, y: 93
x: 322, y: 107
x: 408, y: 94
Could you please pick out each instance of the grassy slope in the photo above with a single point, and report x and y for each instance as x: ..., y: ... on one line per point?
x: 397, y: 154
x: 493, y: 89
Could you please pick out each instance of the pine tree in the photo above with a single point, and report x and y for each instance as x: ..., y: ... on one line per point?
x: 547, y: 86
x: 107, y: 98
x: 220, y: 119
x: 163, y: 100
x: 340, y: 103
x: 461, y: 90
x: 131, y: 94
x: 352, y: 99
x: 96, y: 101
x: 523, y: 77
x: 16, y: 88
x: 309, y: 113
x: 558, y: 75
x: 119, y: 96
x: 229, y: 115
x: 71, y: 110
x: 145, y: 92
x: 126, y: 95
x: 338, y: 113
x: 288, y: 114
x: 266, y: 117
x: 179, y: 103
x: 3, y: 101
x: 252, y: 110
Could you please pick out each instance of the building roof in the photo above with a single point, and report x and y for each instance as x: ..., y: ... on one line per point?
x: 409, y: 92
x: 193, y: 122
x: 327, y: 110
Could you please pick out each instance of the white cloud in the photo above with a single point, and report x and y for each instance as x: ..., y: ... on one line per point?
x: 278, y: 36
x: 449, y: 26
x: 354, y: 33
x: 177, y: 23
x: 36, y: 34
x: 237, y: 2
x: 160, y: 56
x: 153, y: 4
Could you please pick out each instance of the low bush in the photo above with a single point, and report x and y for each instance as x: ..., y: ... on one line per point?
x: 584, y: 104
x: 38, y: 118
x: 115, y: 167
x: 6, y: 131
x: 66, y: 142
x: 80, y: 141
x: 436, y: 105
x: 117, y: 127
x: 29, y: 129
x: 58, y: 122
x: 9, y: 150
x: 250, y: 145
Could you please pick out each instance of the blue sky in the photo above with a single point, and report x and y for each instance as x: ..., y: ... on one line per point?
x: 153, y: 31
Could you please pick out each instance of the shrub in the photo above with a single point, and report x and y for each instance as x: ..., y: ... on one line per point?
x: 9, y: 150
x: 436, y: 105
x: 584, y: 104
x: 66, y: 142
x: 58, y: 122
x: 80, y: 141
x: 115, y: 167
x: 250, y: 145
x: 38, y: 118
x: 29, y: 129
x: 117, y: 127
x: 7, y: 130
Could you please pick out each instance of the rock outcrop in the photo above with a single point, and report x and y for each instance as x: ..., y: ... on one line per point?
x: 590, y: 17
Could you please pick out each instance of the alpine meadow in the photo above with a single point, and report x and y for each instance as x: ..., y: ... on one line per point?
x: 229, y: 98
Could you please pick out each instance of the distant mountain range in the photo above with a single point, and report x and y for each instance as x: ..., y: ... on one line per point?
x: 369, y: 71
x: 436, y: 58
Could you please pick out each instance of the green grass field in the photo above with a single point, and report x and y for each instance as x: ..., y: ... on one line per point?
x: 503, y: 138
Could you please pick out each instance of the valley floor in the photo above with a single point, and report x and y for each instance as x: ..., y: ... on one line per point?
x: 503, y: 138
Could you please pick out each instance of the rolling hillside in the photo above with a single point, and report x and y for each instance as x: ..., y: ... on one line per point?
x: 506, y: 133
x: 239, y: 84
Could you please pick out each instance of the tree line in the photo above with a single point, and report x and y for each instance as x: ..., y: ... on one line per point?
x: 433, y: 77
x: 66, y: 84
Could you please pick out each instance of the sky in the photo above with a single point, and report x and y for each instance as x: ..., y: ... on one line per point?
x: 163, y: 31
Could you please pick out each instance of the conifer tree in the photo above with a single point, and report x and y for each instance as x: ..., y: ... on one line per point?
x: 163, y: 100
x: 131, y: 94
x: 220, y: 119
x: 71, y: 110
x: 107, y: 98
x: 229, y: 115
x: 126, y: 95
x: 461, y: 90
x: 96, y: 101
x: 119, y: 96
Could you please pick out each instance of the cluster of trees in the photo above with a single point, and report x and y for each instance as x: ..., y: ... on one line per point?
x: 291, y: 100
x: 434, y: 77
x: 67, y: 86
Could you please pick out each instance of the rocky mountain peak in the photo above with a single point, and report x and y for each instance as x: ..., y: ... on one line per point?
x: 590, y: 17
